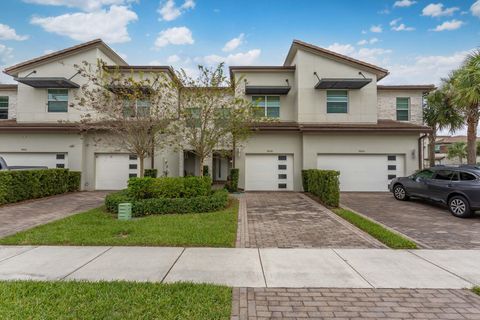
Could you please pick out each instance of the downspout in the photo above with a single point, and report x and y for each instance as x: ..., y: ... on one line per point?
x: 420, y: 151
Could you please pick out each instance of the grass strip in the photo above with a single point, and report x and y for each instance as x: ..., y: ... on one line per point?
x: 389, y: 238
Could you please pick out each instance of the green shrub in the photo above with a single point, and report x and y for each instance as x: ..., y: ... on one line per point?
x: 325, y: 185
x: 113, y: 199
x: 305, y: 180
x: 205, y: 171
x: 214, y: 202
x: 232, y: 185
x: 152, y: 173
x: 30, y: 184
x: 169, y: 187
x: 74, y: 180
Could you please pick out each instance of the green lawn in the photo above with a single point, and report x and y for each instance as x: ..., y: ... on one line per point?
x: 476, y: 290
x: 391, y: 239
x: 98, y: 227
x: 112, y: 300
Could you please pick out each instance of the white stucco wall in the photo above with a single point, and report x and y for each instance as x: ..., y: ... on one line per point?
x: 387, y: 104
x: 287, y: 102
x: 311, y: 102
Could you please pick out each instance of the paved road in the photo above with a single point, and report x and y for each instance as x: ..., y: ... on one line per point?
x: 429, y: 224
x: 293, y: 268
x: 28, y: 214
x: 292, y: 220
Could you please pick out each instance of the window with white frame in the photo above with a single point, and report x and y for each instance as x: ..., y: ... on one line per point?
x: 137, y: 108
x: 337, y: 101
x: 267, y: 106
x: 57, y: 100
x: 4, y: 107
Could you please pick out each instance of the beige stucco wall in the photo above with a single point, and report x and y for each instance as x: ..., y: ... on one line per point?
x: 328, y: 143
x: 12, y: 102
x: 387, y: 104
x: 273, y: 143
x: 287, y: 102
x: 311, y: 102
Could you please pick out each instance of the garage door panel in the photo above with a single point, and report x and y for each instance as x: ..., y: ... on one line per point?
x: 362, y: 172
x: 112, y: 171
x: 45, y: 159
x: 268, y: 172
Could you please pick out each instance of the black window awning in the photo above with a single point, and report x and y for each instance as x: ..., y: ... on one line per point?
x: 125, y: 89
x: 48, y: 83
x: 267, y: 89
x: 342, y: 83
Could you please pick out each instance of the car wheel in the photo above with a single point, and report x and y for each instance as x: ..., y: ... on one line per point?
x: 400, y: 193
x: 459, y: 207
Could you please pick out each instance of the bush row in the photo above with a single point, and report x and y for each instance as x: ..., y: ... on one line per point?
x: 169, y: 187
x: 141, y: 207
x: 324, y: 184
x: 30, y: 184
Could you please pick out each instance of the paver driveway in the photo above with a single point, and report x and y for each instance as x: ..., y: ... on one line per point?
x: 28, y: 214
x: 292, y: 220
x: 430, y: 225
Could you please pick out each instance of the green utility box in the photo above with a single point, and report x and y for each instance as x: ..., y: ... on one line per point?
x: 125, y: 211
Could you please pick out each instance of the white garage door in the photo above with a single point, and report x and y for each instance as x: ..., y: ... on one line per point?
x: 112, y: 171
x: 267, y: 172
x: 363, y: 172
x: 50, y: 159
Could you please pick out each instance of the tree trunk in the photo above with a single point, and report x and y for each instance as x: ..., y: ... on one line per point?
x: 234, y: 146
x: 141, y: 160
x: 431, y: 148
x: 472, y: 124
x: 200, y: 164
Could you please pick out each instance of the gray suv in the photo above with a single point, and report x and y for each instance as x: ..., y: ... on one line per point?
x: 456, y: 186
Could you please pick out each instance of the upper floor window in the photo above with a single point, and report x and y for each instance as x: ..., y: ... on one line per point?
x: 403, y: 106
x: 193, y: 117
x: 139, y: 108
x: 57, y: 100
x: 337, y: 101
x: 267, y: 106
x: 3, y: 107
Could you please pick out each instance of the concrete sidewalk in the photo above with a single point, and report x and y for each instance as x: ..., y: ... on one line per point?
x: 339, y: 268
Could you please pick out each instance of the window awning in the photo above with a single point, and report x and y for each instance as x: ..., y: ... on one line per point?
x: 50, y: 83
x: 342, y: 83
x: 125, y: 89
x: 267, y: 89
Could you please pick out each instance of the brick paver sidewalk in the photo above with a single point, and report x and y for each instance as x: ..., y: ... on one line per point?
x: 315, y: 303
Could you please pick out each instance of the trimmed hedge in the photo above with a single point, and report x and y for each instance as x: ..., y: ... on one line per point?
x: 141, y: 207
x: 324, y: 184
x: 74, y: 180
x: 22, y: 185
x: 152, y: 173
x: 169, y: 187
x: 232, y: 185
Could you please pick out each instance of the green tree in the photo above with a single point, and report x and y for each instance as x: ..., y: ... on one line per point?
x: 457, y: 150
x: 466, y: 81
x: 212, y: 115
x: 135, y: 109
x: 440, y: 114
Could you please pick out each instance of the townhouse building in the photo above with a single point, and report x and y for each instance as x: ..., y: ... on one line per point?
x: 327, y: 111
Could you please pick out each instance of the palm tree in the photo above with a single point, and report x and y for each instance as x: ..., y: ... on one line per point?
x: 467, y: 98
x: 457, y: 150
x: 440, y: 114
